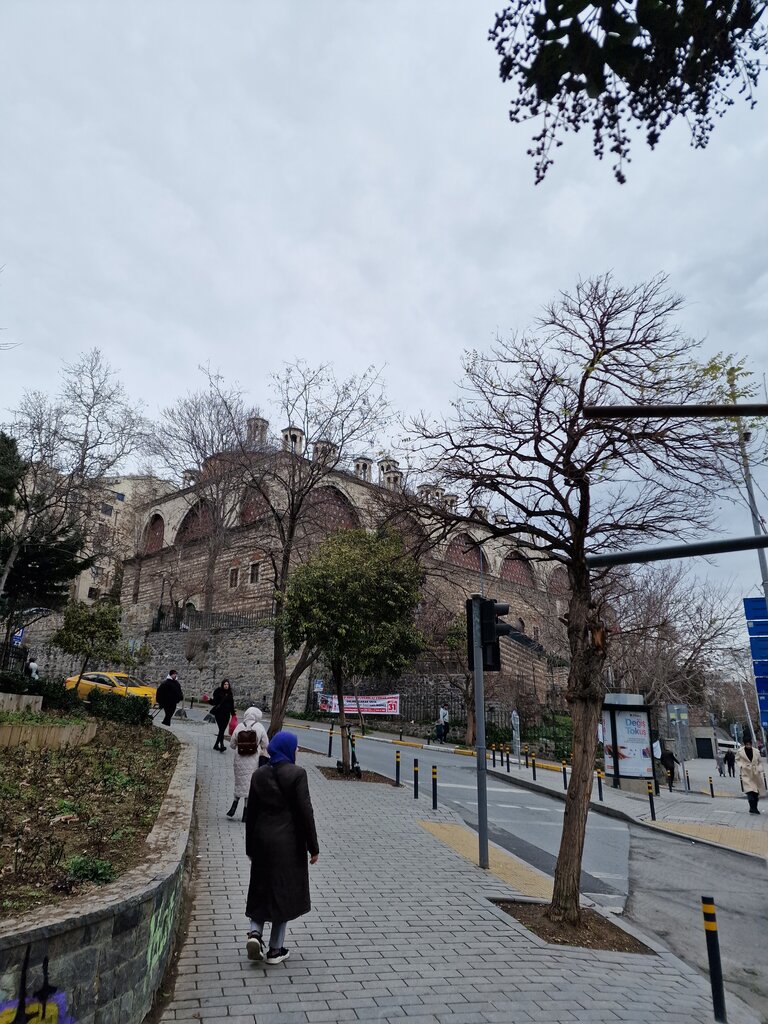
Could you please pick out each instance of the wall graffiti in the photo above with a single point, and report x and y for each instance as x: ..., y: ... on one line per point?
x: 46, y: 1006
x: 160, y: 929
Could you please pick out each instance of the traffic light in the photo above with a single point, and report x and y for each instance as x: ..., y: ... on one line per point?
x: 492, y: 626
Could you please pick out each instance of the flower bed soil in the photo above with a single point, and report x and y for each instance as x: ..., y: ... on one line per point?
x: 336, y: 776
x: 76, y: 817
x: 594, y: 931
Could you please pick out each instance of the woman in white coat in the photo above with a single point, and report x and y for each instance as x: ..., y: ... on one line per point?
x: 250, y: 742
x: 749, y: 764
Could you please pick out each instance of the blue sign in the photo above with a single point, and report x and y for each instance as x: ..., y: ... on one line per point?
x: 755, y: 608
x: 759, y: 647
x: 17, y: 637
x: 757, y: 627
x: 763, y: 702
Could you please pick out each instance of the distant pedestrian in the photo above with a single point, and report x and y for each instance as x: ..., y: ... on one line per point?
x: 249, y: 741
x: 279, y: 836
x: 222, y: 709
x: 32, y: 669
x: 751, y: 771
x: 720, y: 764
x: 730, y: 763
x: 169, y: 694
x: 669, y: 761
x: 442, y: 724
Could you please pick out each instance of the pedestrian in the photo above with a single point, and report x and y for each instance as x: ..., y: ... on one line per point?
x: 730, y: 763
x: 169, y: 694
x: 751, y: 772
x: 720, y: 764
x: 249, y: 741
x: 442, y: 716
x: 222, y: 709
x: 669, y: 761
x: 32, y: 668
x: 279, y: 835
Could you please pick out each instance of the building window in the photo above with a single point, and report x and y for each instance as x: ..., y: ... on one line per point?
x: 93, y: 593
x: 234, y: 578
x: 119, y: 496
x: 536, y: 632
x: 106, y: 510
x: 253, y: 573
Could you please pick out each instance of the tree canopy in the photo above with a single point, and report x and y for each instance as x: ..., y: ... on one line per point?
x: 618, y: 63
x: 91, y: 633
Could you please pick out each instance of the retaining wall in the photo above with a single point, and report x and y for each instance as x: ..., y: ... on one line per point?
x: 20, y: 701
x: 46, y: 737
x: 100, y: 960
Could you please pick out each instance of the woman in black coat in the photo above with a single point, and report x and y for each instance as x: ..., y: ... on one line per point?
x: 279, y: 834
x: 222, y: 709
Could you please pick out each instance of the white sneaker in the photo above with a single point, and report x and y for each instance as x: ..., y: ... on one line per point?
x: 276, y: 956
x: 254, y: 946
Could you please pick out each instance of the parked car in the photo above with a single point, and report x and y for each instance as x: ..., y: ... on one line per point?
x: 114, y: 682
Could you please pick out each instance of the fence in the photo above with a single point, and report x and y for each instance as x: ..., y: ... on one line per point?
x: 179, y: 619
x: 11, y: 657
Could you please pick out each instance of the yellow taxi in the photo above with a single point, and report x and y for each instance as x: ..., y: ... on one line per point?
x: 114, y: 682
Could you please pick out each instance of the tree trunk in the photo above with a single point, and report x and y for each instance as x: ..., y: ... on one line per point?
x: 209, y: 580
x: 338, y: 679
x: 469, y: 704
x: 565, y: 893
x: 82, y: 669
x: 13, y: 554
x: 281, y: 691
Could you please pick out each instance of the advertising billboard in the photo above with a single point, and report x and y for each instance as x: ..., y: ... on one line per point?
x: 631, y: 744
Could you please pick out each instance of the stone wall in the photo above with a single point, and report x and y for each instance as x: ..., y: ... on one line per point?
x: 100, y: 960
x: 204, y: 657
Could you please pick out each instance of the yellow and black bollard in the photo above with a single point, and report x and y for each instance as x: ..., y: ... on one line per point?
x: 507, y: 759
x: 687, y: 781
x: 434, y: 787
x: 711, y: 788
x: 713, y: 953
x: 533, y: 764
x: 650, y: 800
x: 525, y: 750
x: 600, y: 786
x: 397, y: 767
x: 493, y: 755
x: 565, y: 774
x: 330, y: 742
x: 415, y: 778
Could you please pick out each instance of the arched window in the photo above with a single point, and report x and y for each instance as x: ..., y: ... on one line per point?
x: 466, y: 553
x: 154, y: 533
x: 558, y: 584
x: 196, y: 524
x: 253, y: 507
x: 328, y: 510
x: 516, y: 569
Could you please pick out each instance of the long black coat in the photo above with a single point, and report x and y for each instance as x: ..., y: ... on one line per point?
x: 279, y: 833
x: 169, y: 693
x: 223, y: 705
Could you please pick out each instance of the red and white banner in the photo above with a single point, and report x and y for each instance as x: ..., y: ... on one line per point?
x: 387, y: 705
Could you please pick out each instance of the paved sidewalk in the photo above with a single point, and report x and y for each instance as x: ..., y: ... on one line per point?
x: 401, y: 929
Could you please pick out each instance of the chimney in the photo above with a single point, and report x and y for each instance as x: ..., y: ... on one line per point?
x: 451, y: 502
x: 257, y: 431
x: 325, y: 452
x: 293, y: 440
x: 364, y: 468
x: 189, y: 478
x: 386, y: 465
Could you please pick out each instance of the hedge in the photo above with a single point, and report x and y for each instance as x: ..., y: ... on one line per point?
x: 129, y: 710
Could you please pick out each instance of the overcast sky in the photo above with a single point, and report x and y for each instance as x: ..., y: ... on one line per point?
x: 248, y: 182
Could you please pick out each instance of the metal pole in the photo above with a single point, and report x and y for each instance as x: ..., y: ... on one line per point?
x: 482, y: 769
x: 330, y: 742
x: 711, y: 788
x: 397, y: 767
x: 533, y: 765
x: 680, y: 747
x: 434, y: 787
x: 713, y: 954
x: 415, y: 778
x: 650, y: 800
x: 600, y: 786
x: 565, y: 775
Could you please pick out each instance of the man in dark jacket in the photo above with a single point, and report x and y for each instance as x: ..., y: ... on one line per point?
x: 730, y: 762
x: 168, y: 695
x: 280, y: 837
x: 669, y: 761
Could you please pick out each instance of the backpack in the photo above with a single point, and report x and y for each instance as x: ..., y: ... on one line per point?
x: 247, y: 742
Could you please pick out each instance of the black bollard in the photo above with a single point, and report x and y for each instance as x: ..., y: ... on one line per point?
x: 533, y: 765
x: 415, y: 778
x: 330, y: 742
x: 600, y: 786
x: 493, y: 755
x: 687, y: 781
x: 650, y: 800
x: 565, y: 774
x: 526, y: 755
x: 434, y: 787
x: 711, y: 788
x: 507, y: 760
x: 713, y: 953
x: 397, y: 767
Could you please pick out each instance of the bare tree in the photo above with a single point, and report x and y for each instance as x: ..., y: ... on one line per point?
x: 670, y: 633
x: 518, y: 443
x: 70, y: 444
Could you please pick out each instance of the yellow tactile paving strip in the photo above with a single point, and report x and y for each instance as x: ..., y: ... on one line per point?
x: 527, y: 880
x: 745, y: 839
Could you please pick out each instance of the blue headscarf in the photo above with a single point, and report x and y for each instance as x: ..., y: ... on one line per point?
x: 282, y: 748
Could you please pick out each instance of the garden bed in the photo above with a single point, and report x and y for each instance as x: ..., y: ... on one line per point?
x: 594, y: 931
x: 336, y: 776
x: 76, y: 817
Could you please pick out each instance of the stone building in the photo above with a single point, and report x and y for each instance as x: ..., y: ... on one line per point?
x: 198, y: 592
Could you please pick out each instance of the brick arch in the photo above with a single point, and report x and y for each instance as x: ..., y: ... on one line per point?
x: 558, y: 584
x: 327, y: 509
x: 153, y: 535
x: 517, y: 569
x: 465, y: 553
x: 253, y: 507
x: 196, y: 524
